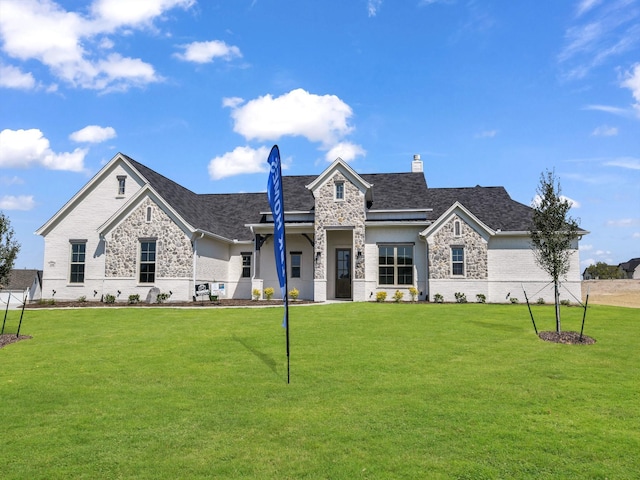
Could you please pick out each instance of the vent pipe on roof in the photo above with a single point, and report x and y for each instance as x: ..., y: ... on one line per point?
x: 416, y: 165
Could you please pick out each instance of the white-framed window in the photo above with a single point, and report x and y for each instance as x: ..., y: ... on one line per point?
x: 147, y: 261
x: 339, y: 190
x: 122, y: 180
x: 77, y: 264
x: 296, y: 264
x: 246, y: 264
x: 147, y: 217
x: 395, y: 264
x: 457, y: 261
x: 456, y: 228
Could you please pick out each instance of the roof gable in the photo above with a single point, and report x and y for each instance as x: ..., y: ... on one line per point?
x: 99, y: 177
x: 349, y: 173
x: 461, y: 211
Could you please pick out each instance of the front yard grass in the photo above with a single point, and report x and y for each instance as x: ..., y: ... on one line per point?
x: 377, y: 391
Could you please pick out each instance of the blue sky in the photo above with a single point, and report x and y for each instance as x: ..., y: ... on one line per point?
x: 487, y: 92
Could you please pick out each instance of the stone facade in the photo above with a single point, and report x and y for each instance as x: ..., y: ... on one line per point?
x: 333, y: 213
x: 475, y: 251
x: 174, y: 254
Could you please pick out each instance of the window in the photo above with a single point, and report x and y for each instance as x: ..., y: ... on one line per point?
x: 296, y: 264
x: 457, y: 260
x: 121, y: 181
x: 339, y: 190
x: 148, y: 215
x: 78, y: 253
x: 147, y: 261
x: 395, y: 264
x: 246, y: 264
x: 456, y: 228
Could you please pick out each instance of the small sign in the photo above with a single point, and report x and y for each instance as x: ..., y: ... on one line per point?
x: 218, y: 289
x: 202, y: 290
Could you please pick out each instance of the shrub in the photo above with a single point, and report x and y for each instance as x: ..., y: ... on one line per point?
x: 540, y: 301
x: 268, y: 292
x: 255, y: 294
x: 162, y: 297
x: 381, y: 296
x: 413, y: 291
x: 294, y: 293
x: 460, y: 297
x: 108, y: 298
x: 437, y: 298
x: 481, y: 298
x: 82, y: 299
x: 514, y: 300
x: 397, y: 297
x: 133, y: 299
x: 566, y: 303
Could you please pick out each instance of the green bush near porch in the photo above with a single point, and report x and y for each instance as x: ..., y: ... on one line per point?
x: 378, y: 390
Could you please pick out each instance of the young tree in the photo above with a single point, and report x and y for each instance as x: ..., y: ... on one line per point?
x: 9, y: 249
x: 553, y: 232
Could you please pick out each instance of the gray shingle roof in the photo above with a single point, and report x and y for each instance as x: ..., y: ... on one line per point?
x: 227, y: 214
x: 23, y: 279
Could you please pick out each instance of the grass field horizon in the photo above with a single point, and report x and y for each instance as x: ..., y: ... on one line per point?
x: 377, y: 391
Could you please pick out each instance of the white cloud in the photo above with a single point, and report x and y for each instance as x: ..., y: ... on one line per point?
x: 632, y: 82
x: 206, y: 52
x: 623, y: 222
x: 373, y: 6
x: 241, y: 160
x: 585, y: 5
x: 573, y: 203
x: 26, y: 148
x: 635, y: 235
x: 602, y: 30
x: 21, y: 202
x: 93, y: 134
x: 13, y: 77
x: 318, y: 118
x: 15, y: 180
x: 584, y: 247
x: 347, y: 151
x: 73, y: 46
x: 621, y: 112
x: 487, y: 134
x: 624, y: 162
x: 112, y: 14
x: 604, y: 131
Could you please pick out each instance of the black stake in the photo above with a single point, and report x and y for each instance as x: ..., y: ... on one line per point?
x: 21, y: 314
x: 586, y: 302
x: 6, y: 311
x: 530, y: 312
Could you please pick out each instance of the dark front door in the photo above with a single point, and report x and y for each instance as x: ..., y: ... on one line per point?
x: 343, y: 273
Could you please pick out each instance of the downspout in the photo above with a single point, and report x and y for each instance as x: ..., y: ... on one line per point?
x: 426, y: 262
x: 195, y: 258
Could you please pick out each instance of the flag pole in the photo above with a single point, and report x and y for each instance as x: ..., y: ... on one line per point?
x: 276, y: 203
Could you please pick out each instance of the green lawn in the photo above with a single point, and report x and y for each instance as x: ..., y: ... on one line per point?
x: 377, y: 391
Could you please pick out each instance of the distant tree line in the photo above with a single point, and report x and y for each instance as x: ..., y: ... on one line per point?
x: 602, y: 271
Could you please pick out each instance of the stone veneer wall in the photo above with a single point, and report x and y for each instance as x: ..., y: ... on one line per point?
x: 475, y: 251
x: 174, y: 254
x: 349, y: 213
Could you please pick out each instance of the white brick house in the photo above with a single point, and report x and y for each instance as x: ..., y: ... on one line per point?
x: 349, y: 236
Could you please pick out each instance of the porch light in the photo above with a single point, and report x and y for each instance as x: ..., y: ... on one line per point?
x: 318, y: 255
x: 359, y: 255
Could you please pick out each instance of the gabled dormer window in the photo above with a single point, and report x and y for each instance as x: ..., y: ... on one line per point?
x: 121, y: 184
x: 339, y: 191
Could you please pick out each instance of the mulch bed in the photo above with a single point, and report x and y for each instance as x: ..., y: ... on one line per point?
x: 219, y: 303
x: 7, y: 338
x: 570, y: 338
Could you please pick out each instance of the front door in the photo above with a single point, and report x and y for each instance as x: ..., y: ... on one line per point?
x: 343, y: 273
